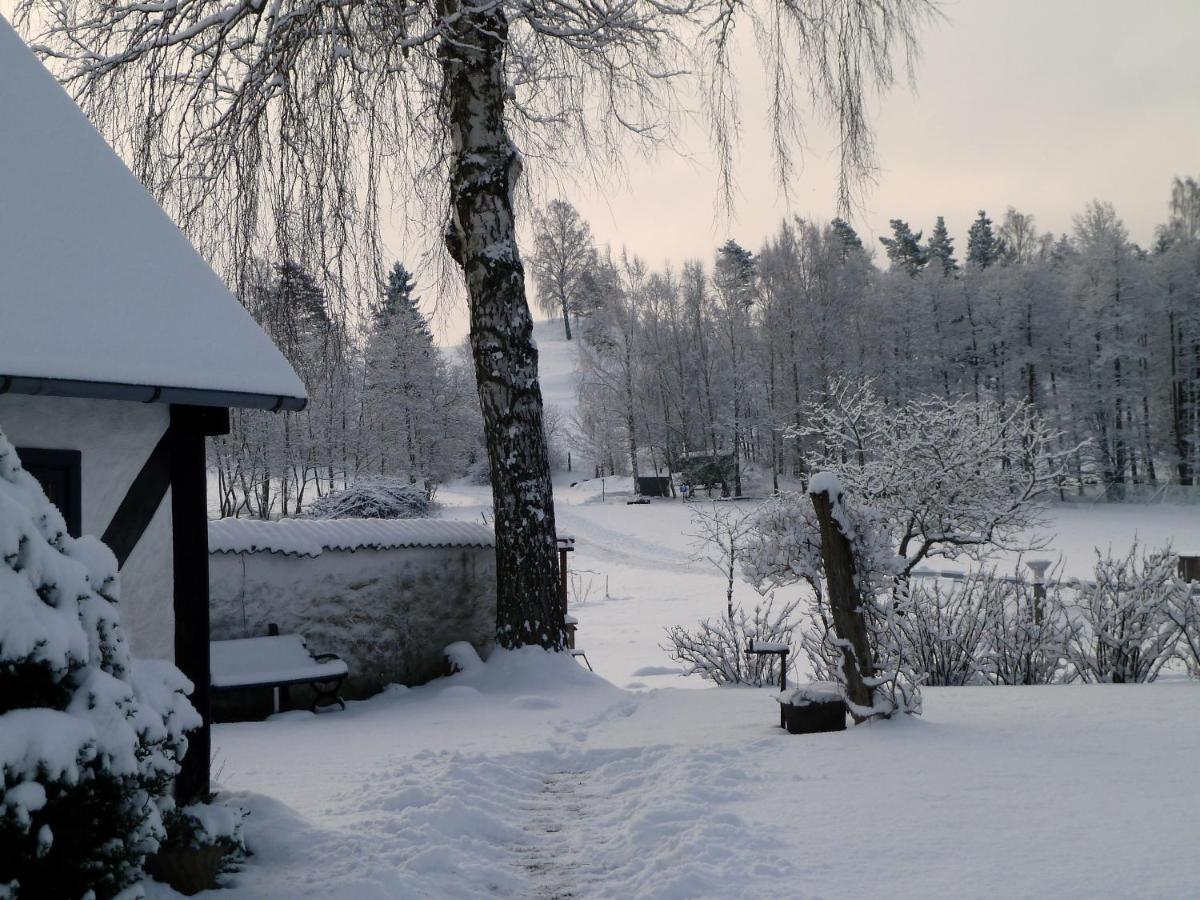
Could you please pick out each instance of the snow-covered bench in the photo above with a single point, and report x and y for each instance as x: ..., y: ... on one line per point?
x: 277, y: 661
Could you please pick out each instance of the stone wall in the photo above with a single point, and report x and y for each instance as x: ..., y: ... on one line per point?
x: 388, y: 613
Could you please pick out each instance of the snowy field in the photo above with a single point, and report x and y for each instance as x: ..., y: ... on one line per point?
x: 530, y: 777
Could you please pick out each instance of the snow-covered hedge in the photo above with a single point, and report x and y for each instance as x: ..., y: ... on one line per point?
x: 89, y: 741
x: 374, y: 498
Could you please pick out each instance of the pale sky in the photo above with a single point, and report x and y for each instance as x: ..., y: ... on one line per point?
x: 1041, y: 104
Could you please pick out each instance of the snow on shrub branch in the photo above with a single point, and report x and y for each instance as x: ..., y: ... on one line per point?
x: 951, y: 477
x: 90, y: 741
x: 374, y: 498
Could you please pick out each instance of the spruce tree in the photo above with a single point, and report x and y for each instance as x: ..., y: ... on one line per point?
x: 941, y: 247
x: 983, y: 248
x: 89, y: 744
x: 401, y: 384
x: 298, y: 294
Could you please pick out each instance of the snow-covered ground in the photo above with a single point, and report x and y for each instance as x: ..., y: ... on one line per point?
x: 531, y: 777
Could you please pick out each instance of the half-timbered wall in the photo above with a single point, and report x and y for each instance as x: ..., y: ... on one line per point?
x: 114, y: 438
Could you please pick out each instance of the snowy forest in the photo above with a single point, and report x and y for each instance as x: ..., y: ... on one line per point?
x: 384, y: 401
x: 1097, y: 334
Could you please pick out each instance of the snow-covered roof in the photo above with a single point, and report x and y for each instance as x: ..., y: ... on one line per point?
x: 101, y: 295
x: 312, y: 537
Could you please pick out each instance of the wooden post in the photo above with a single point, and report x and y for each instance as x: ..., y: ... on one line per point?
x: 189, y: 538
x: 1189, y: 568
x: 565, y: 547
x: 845, y: 602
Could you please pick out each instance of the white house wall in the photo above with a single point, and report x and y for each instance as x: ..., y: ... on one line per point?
x: 115, y: 439
x: 388, y: 613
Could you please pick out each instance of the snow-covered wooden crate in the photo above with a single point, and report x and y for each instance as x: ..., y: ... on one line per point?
x: 387, y: 596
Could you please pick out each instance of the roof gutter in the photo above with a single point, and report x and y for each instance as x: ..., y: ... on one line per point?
x: 141, y: 393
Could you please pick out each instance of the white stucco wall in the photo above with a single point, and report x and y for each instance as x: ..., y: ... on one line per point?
x: 388, y: 613
x: 115, y: 438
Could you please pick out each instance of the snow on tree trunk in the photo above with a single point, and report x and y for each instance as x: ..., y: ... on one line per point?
x: 481, y: 236
x: 845, y: 600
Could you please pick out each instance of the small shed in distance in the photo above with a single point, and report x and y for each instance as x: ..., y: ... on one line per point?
x: 386, y: 595
x: 654, y: 485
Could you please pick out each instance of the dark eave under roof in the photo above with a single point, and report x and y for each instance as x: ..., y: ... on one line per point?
x: 141, y: 393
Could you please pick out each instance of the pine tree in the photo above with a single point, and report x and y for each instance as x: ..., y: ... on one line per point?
x: 983, y: 248
x: 941, y: 248
x: 904, y: 248
x: 847, y: 237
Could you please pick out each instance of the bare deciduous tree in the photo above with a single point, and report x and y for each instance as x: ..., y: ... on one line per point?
x: 295, y: 124
x: 563, y: 251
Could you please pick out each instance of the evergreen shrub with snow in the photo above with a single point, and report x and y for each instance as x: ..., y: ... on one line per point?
x: 90, y: 742
x: 374, y: 498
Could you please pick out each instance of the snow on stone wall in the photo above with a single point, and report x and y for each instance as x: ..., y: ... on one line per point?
x: 115, y: 438
x: 312, y: 537
x: 388, y: 612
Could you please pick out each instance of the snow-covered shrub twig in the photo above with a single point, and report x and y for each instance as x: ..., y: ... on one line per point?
x: 1025, y: 635
x: 716, y: 648
x: 950, y: 477
x: 1184, y: 610
x: 374, y: 498
x: 1122, y: 627
x: 942, y: 627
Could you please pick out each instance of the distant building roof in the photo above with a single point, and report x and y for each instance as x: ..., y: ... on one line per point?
x: 101, y: 295
x: 312, y: 537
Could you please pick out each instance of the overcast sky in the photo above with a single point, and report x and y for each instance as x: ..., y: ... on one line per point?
x: 1041, y: 104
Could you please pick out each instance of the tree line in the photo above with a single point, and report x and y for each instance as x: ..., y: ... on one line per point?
x: 1097, y: 334
x: 384, y: 400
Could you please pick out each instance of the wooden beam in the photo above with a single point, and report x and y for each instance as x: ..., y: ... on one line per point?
x: 141, y: 501
x: 189, y: 526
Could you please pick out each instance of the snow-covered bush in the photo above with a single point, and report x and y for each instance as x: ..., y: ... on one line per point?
x: 942, y: 627
x: 202, y: 841
x: 1025, y: 635
x: 89, y: 742
x: 1184, y: 611
x: 1122, y: 627
x: 716, y: 648
x: 374, y: 498
x: 983, y: 629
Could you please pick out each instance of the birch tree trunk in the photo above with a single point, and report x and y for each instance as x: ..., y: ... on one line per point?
x: 481, y: 236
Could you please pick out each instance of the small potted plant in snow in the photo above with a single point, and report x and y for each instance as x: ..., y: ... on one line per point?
x: 814, y: 707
